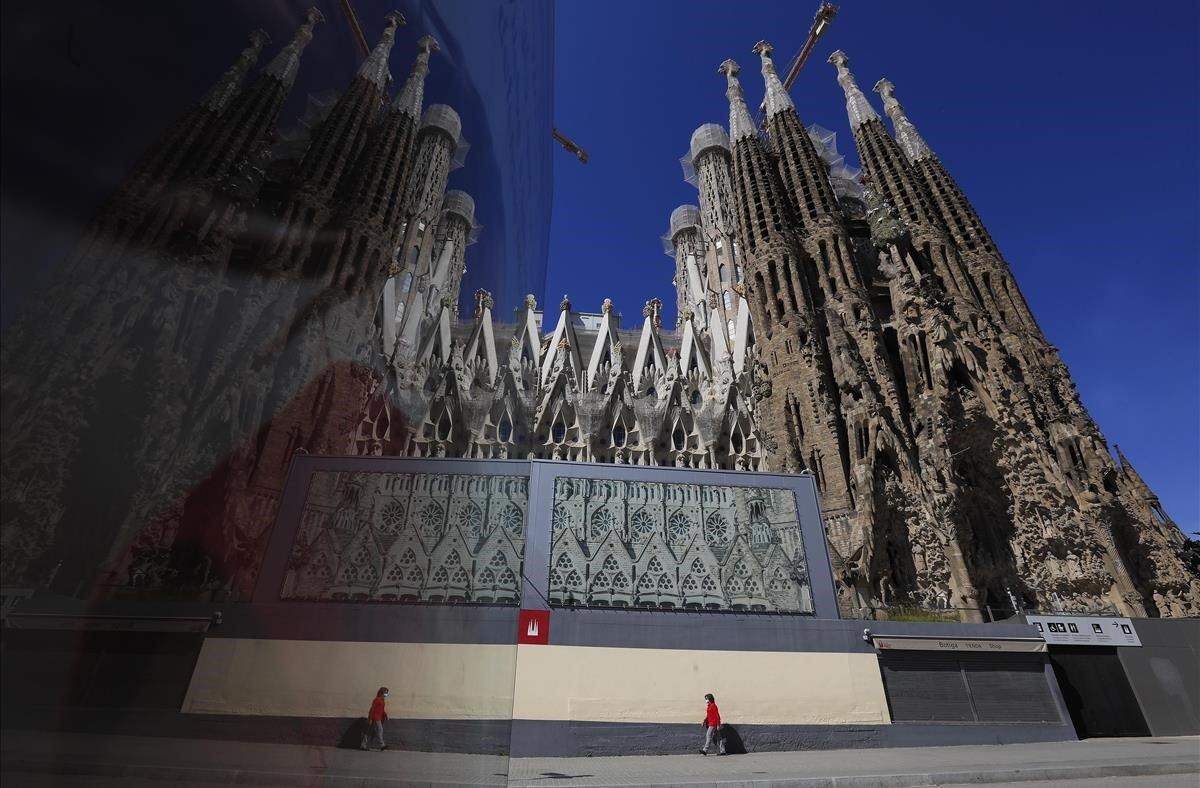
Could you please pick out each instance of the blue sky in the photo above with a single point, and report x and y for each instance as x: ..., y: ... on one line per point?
x: 1072, y: 128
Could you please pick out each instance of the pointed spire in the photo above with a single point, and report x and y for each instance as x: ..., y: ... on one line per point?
x: 857, y: 106
x: 375, y: 68
x: 219, y: 96
x: 412, y: 95
x: 740, y: 124
x: 777, y: 99
x: 287, y: 62
x: 906, y: 134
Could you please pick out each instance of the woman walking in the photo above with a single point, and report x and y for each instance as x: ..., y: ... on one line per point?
x: 712, y: 726
x: 375, y: 719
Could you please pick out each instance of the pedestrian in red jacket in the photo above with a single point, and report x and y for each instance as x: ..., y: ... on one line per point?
x: 375, y: 719
x: 712, y: 726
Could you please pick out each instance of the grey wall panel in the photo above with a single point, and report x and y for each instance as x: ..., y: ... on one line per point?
x: 1165, y: 674
x: 536, y: 738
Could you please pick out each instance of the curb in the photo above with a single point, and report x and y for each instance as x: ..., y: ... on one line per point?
x: 932, y: 779
x: 171, y: 774
x: 309, y: 780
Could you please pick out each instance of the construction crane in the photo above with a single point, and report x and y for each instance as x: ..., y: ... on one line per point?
x: 570, y: 146
x: 824, y: 16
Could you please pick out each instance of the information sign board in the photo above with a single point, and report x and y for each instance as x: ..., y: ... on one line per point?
x: 1085, y: 630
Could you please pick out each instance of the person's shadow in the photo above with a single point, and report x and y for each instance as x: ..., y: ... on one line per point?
x: 354, y: 736
x: 733, y: 740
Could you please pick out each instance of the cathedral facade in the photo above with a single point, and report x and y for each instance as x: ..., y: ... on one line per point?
x: 245, y: 299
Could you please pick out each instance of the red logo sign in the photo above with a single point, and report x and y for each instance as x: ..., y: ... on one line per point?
x: 533, y: 627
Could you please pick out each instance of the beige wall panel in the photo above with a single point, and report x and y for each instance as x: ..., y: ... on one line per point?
x: 668, y: 685
x: 310, y: 678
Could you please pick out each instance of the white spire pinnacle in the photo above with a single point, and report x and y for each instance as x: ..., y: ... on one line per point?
x: 375, y: 68
x: 906, y: 134
x: 777, y: 99
x: 218, y: 98
x: 412, y: 95
x: 740, y: 124
x: 857, y: 106
x: 287, y: 62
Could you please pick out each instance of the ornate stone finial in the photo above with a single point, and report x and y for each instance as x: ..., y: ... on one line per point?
x: 530, y: 301
x: 777, y: 99
x: 646, y: 310
x: 375, y: 68
x: 412, y: 95
x: 906, y: 134
x: 606, y: 306
x: 218, y: 98
x: 564, y: 344
x: 483, y: 300
x: 857, y: 107
x: 393, y: 268
x: 713, y: 301
x: 740, y: 124
x: 740, y: 288
x: 565, y: 304
x: 655, y: 307
x: 686, y: 314
x: 447, y: 301
x: 287, y: 62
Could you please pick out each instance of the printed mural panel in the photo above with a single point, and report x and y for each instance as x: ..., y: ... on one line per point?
x: 663, y: 545
x: 410, y: 537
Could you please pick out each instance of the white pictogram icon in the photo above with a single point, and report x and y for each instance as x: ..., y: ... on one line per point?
x: 532, y: 629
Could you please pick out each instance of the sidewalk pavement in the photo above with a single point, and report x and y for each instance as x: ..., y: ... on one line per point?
x: 194, y: 761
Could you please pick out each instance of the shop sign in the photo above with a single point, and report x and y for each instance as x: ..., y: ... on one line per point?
x: 960, y: 645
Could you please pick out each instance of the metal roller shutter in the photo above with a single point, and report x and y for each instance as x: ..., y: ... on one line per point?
x: 1010, y: 689
x: 937, y: 687
x: 925, y: 687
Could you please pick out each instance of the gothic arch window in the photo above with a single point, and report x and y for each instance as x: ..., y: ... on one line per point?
x: 504, y: 429
x: 610, y: 564
x: 319, y: 567
x: 444, y: 427
x: 679, y: 527
x: 470, y: 519
x: 642, y: 525
x: 510, y: 518
x: 728, y: 298
x: 716, y: 531
x: 558, y: 429
x: 603, y: 520
x: 696, y: 396
x: 722, y: 273
x: 737, y: 441
x: 431, y: 519
x: 391, y: 517
x: 561, y: 519
x: 409, y: 558
x: 780, y: 582
x: 678, y: 436
x: 406, y: 282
